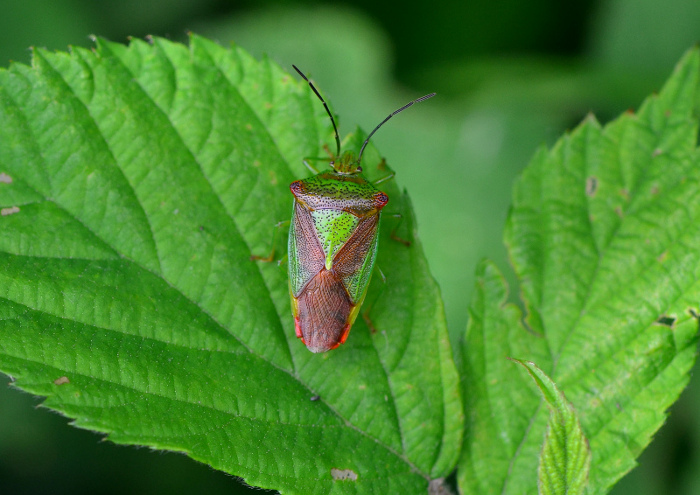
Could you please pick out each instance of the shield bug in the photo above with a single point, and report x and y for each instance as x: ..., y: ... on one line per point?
x: 333, y: 243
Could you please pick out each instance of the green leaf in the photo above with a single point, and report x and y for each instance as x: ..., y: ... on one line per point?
x: 145, y: 177
x: 603, y: 238
x: 565, y: 459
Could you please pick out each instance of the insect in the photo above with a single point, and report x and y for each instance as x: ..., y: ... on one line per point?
x: 333, y: 243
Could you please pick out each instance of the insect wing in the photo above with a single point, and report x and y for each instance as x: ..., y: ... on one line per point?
x: 324, y: 310
x: 320, y: 302
x: 355, y: 261
x: 326, y: 302
x: 306, y: 257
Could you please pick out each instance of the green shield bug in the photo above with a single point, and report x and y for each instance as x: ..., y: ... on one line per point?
x: 333, y: 243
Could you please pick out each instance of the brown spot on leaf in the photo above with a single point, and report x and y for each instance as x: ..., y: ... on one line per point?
x: 591, y: 186
x: 343, y: 474
x: 9, y: 211
x: 61, y: 381
x: 657, y: 152
x: 5, y: 179
x: 438, y: 487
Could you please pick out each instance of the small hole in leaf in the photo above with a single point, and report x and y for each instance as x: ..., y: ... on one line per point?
x: 667, y: 321
x: 5, y: 179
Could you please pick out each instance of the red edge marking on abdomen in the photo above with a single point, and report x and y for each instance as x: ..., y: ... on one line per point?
x: 297, y: 328
x: 346, y: 332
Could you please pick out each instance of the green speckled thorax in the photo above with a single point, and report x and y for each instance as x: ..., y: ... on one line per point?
x: 337, y: 191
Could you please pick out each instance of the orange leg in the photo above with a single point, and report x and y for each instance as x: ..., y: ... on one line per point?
x: 271, y: 257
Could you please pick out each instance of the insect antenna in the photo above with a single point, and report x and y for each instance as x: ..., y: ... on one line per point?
x: 328, y: 111
x: 422, y: 98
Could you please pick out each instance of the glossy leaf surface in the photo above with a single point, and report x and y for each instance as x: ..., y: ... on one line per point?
x: 603, y: 237
x: 144, y: 178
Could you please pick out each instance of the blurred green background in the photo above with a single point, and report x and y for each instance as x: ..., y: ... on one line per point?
x: 510, y: 76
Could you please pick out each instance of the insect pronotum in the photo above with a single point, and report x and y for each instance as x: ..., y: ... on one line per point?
x: 333, y: 243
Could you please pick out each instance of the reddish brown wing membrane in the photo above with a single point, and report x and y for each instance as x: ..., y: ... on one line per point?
x: 324, y: 307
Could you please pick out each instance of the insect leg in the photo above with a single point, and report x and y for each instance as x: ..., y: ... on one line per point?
x: 368, y: 306
x: 382, y: 167
x: 275, y: 233
x: 309, y: 166
x: 315, y: 159
x: 320, y: 158
x: 394, y: 236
